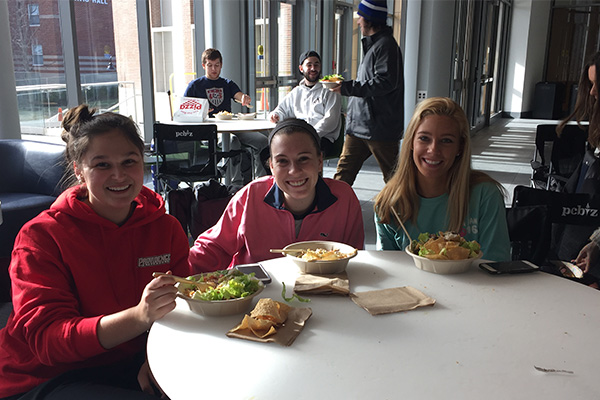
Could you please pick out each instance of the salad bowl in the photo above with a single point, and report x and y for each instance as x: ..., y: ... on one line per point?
x: 216, y: 308
x: 330, y: 85
x: 443, y: 266
x: 320, y: 266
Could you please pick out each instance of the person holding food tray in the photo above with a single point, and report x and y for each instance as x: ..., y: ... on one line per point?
x: 295, y: 204
x: 82, y: 286
x: 312, y: 102
x: 434, y: 188
x: 375, y: 118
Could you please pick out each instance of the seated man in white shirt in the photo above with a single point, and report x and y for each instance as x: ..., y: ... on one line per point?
x: 312, y: 102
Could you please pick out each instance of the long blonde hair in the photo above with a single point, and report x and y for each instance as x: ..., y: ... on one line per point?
x: 400, y: 191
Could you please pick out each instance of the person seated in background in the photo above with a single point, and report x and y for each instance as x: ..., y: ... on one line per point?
x: 294, y: 204
x: 586, y: 178
x: 568, y: 240
x: 434, y: 188
x: 312, y: 102
x: 82, y: 286
x: 219, y: 92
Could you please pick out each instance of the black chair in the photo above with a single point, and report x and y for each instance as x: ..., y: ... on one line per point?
x: 566, y: 152
x: 540, y: 164
x: 184, y: 153
x: 547, y: 225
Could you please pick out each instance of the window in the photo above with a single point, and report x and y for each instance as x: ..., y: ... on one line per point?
x: 38, y: 54
x: 33, y: 10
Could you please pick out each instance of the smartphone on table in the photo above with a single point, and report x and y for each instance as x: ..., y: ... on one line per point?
x: 259, y: 272
x: 509, y: 267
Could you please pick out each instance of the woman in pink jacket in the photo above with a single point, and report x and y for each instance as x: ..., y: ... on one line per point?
x: 81, y: 272
x: 294, y: 204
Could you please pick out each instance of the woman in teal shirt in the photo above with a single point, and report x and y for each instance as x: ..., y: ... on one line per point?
x: 434, y: 188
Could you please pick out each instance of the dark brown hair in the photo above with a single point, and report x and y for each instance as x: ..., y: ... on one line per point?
x: 211, y: 54
x: 80, y: 126
x: 289, y: 126
x: 586, y: 106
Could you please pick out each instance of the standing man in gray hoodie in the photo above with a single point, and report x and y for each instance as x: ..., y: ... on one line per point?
x: 375, y: 121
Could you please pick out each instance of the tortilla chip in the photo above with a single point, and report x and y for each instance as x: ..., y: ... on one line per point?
x: 260, y: 328
x: 270, y: 310
x: 435, y: 245
x: 457, y: 253
x: 451, y: 244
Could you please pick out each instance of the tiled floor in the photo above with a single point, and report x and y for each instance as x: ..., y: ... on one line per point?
x: 503, y: 150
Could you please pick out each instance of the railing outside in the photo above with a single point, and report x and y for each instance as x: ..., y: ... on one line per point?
x: 41, y: 106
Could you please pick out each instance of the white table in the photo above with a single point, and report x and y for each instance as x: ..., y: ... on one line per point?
x: 241, y: 125
x: 226, y: 127
x: 481, y: 340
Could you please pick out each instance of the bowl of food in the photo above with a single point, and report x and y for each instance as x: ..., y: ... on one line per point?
x: 331, y: 81
x: 320, y: 257
x: 222, y: 115
x: 220, y: 293
x: 246, y: 116
x: 444, y: 253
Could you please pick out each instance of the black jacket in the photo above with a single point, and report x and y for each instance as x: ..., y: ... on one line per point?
x: 376, y: 104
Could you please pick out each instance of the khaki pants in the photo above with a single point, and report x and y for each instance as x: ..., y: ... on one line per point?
x: 355, y: 153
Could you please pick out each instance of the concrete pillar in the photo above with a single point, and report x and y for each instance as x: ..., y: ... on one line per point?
x: 10, y: 126
x: 226, y: 36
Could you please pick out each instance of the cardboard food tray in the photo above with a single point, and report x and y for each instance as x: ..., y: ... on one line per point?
x: 286, y: 333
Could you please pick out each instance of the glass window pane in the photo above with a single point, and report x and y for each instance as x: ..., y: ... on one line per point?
x: 173, y: 49
x: 38, y: 64
x: 99, y: 65
x: 284, y: 34
x: 261, y: 34
x: 34, y: 14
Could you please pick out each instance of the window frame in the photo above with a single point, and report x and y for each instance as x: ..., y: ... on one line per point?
x: 33, y: 13
x: 37, y: 54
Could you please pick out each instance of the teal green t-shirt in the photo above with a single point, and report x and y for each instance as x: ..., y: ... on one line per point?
x: 485, y: 223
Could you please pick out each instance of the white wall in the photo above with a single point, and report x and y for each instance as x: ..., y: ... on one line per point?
x: 526, y: 54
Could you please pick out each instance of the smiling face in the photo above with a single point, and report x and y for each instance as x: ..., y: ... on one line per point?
x: 436, y: 146
x: 311, y: 69
x: 295, y: 164
x: 112, y: 169
x: 212, y: 69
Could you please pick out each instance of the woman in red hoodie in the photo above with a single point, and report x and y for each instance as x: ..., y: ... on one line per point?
x: 81, y: 272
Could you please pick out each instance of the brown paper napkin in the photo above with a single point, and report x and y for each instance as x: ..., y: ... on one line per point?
x: 323, y: 284
x: 391, y: 300
x: 286, y: 333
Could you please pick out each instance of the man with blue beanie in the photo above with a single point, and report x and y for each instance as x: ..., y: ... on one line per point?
x: 375, y: 121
